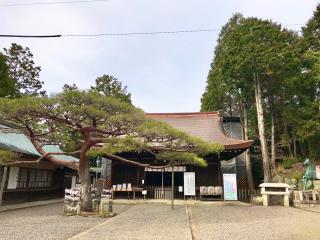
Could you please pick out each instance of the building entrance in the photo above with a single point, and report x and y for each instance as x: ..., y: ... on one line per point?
x: 156, y: 178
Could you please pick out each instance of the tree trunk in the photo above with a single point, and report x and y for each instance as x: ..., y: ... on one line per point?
x: 264, y: 147
x: 247, y: 153
x: 84, y: 175
x: 295, y: 148
x: 273, y: 144
x: 286, y: 132
x: 303, y: 149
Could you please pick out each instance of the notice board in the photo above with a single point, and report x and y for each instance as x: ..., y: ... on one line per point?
x: 189, y: 180
x: 230, y: 187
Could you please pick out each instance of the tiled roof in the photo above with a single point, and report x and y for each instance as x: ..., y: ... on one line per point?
x: 13, y: 140
x: 55, y: 148
x: 17, y: 142
x: 206, y: 125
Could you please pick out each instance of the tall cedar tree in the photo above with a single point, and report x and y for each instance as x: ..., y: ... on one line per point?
x: 23, y: 71
x: 7, y: 85
x: 252, y: 54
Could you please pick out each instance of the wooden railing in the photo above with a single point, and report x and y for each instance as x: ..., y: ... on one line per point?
x: 248, y: 194
x: 157, y: 192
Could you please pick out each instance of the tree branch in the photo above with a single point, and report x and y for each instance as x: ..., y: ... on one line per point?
x: 121, y: 159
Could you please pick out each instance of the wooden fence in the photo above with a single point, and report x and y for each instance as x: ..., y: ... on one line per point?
x: 157, y: 192
x: 247, y: 194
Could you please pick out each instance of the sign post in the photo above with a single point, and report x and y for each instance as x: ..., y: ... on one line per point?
x: 230, y: 187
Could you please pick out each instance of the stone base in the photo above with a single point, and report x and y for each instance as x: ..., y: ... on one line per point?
x: 106, y: 215
x: 311, y: 205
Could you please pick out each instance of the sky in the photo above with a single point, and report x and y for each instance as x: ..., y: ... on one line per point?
x: 163, y: 73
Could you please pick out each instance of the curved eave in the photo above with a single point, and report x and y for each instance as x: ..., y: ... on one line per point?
x: 244, y: 145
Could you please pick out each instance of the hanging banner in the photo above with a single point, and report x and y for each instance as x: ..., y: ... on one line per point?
x: 13, y: 178
x: 167, y: 169
x: 189, y: 180
x: 230, y: 187
x: 318, y: 171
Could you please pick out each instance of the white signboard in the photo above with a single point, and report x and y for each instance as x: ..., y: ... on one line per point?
x: 13, y: 178
x: 73, y: 181
x: 318, y: 171
x: 189, y: 183
x: 230, y: 187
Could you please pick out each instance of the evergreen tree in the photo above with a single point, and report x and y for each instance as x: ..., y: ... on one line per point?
x: 111, y: 86
x: 7, y: 85
x: 23, y: 71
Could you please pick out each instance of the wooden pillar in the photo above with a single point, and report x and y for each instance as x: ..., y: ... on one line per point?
x: 162, y: 192
x: 3, y: 181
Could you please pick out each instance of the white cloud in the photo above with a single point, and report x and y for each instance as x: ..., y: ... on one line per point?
x: 164, y: 73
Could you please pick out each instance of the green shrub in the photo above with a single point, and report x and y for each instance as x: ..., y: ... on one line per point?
x: 7, y: 156
x: 297, y: 175
x: 287, y: 162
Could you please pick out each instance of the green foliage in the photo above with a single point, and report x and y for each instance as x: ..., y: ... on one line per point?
x: 111, y: 86
x: 23, y: 71
x: 67, y: 87
x: 73, y: 117
x: 182, y: 158
x: 7, y: 156
x: 311, y: 32
x: 288, y: 68
x: 287, y: 162
x: 7, y: 85
x: 297, y: 175
x: 219, y: 94
x: 118, y: 145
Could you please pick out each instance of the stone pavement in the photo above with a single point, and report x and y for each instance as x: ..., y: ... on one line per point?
x: 196, y: 221
x: 254, y: 222
x: 206, y: 222
x: 151, y: 221
x: 45, y: 222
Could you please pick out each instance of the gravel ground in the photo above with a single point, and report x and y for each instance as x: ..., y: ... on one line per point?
x: 45, y: 222
x: 150, y: 221
x: 158, y: 221
x: 254, y: 222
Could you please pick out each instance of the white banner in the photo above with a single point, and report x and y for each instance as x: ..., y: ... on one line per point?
x: 167, y: 169
x: 230, y: 186
x: 318, y: 171
x: 189, y: 183
x: 13, y: 178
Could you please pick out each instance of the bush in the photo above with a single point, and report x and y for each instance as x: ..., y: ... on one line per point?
x: 287, y: 162
x: 297, y: 175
